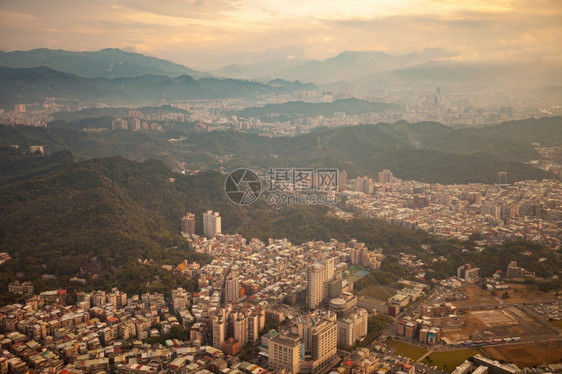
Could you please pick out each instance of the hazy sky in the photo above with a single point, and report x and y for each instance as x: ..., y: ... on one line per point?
x: 195, y: 32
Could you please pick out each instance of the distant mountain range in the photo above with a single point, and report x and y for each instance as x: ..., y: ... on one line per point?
x: 263, y: 70
x: 34, y: 84
x: 107, y: 63
x: 368, y: 70
x: 347, y: 66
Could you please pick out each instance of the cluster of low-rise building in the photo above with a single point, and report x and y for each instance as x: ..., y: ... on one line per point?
x: 529, y: 210
x: 248, y: 281
x: 479, y: 364
x: 244, y: 284
x: 44, y: 334
x: 277, y: 271
x: 403, y: 297
x: 21, y: 117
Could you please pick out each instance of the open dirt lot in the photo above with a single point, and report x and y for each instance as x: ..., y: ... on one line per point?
x: 497, y: 323
x: 527, y: 355
x: 518, y: 293
x: 378, y: 291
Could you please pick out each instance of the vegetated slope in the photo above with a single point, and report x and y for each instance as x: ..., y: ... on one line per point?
x: 95, y: 218
x: 107, y: 63
x: 294, y: 109
x: 510, y: 141
x: 34, y: 84
x: 409, y: 150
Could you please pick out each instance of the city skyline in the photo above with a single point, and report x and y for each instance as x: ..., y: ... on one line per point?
x: 211, y: 34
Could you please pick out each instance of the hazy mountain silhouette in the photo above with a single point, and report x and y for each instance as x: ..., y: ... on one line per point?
x: 34, y: 84
x: 107, y: 63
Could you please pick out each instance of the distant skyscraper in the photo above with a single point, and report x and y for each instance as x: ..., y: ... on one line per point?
x: 501, y: 177
x: 19, y: 108
x: 134, y: 123
x: 385, y: 176
x: 188, y: 224
x: 211, y: 223
x: 468, y: 273
x: 421, y: 201
x: 364, y: 184
x: 119, y: 124
x: 342, y: 180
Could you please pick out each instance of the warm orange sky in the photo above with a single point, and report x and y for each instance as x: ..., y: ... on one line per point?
x: 193, y: 32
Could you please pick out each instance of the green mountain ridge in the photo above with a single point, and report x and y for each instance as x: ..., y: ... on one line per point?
x: 427, y: 152
x: 29, y: 85
x: 107, y: 63
x: 294, y: 109
x: 96, y: 218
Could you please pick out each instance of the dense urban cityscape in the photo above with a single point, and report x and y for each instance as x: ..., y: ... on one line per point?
x: 259, y: 307
x: 295, y: 187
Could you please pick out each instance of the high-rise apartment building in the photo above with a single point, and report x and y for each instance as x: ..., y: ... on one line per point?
x: 232, y: 290
x: 385, y: 176
x: 211, y: 223
x: 352, y: 328
x: 342, y: 180
x: 134, y: 123
x: 253, y: 328
x: 318, y: 275
x: 219, y: 332
x: 180, y: 299
x: 468, y: 273
x: 501, y: 177
x: 188, y: 224
x: 285, y: 352
x: 364, y: 184
x: 319, y: 333
x: 119, y: 124
x: 369, y: 259
x: 240, y: 327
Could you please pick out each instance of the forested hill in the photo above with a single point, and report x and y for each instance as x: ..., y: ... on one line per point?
x: 107, y: 63
x: 425, y: 151
x: 95, y: 218
x: 34, y: 84
x: 295, y: 109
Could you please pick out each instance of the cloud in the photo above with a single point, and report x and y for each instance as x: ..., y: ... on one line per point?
x: 190, y: 9
x: 195, y: 31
